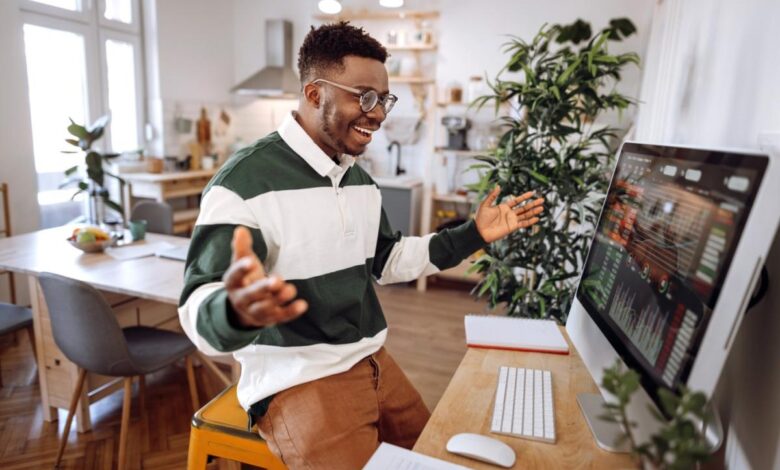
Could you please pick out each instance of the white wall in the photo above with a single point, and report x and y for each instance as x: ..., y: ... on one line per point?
x: 711, y: 80
x: 17, y: 166
x: 469, y: 33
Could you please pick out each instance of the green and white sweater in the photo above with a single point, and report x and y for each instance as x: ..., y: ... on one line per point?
x: 320, y: 226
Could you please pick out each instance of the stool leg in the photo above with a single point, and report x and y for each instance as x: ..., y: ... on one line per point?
x: 71, y: 411
x: 142, y: 394
x: 192, y: 384
x: 197, y: 458
x: 31, y: 334
x: 125, y: 422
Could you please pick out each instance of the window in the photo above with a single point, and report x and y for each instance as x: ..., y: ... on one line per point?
x: 84, y: 60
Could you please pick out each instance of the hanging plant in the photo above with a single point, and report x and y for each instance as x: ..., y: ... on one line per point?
x: 554, y: 146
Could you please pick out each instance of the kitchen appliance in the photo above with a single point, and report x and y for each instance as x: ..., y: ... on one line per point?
x: 277, y: 79
x: 457, y: 127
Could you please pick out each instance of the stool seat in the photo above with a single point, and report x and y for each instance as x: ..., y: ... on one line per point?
x: 220, y: 429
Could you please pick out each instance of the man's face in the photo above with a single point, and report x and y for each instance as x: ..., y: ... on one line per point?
x: 345, y: 128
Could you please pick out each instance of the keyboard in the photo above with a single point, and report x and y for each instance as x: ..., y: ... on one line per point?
x: 524, y: 404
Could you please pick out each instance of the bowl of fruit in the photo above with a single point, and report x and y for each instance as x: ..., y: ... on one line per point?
x: 90, y: 239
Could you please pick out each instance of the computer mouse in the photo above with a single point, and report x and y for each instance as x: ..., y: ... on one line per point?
x: 483, y: 448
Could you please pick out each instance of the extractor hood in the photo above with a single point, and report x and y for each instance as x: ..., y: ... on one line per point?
x: 277, y: 79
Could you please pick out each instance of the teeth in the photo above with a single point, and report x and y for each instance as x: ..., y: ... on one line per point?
x: 367, y: 132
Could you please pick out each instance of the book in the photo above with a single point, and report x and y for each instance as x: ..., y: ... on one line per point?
x: 390, y: 457
x: 520, y: 334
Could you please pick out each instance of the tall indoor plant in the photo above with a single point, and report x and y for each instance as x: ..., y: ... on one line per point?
x: 552, y: 145
x: 94, y: 185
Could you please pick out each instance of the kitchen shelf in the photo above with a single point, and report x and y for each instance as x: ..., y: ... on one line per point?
x: 411, y: 80
x: 411, y: 47
x: 379, y: 15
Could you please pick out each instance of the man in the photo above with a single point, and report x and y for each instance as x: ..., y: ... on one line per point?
x: 293, y: 206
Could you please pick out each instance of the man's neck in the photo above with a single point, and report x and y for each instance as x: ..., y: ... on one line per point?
x: 310, y: 129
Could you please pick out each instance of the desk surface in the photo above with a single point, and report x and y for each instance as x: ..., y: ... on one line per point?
x: 467, y: 405
x: 47, y: 250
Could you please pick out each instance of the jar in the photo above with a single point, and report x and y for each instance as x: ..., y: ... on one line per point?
x: 476, y: 88
x: 454, y: 92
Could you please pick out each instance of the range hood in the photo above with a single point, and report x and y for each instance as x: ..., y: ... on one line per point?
x: 277, y: 79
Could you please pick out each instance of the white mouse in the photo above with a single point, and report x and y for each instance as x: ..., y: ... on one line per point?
x: 483, y: 448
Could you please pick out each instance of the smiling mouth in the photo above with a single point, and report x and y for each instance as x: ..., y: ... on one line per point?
x: 363, y: 131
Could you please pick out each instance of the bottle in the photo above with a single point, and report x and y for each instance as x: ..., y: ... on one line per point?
x: 204, y: 132
x: 475, y: 89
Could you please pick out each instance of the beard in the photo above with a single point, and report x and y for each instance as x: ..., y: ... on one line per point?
x: 331, y: 118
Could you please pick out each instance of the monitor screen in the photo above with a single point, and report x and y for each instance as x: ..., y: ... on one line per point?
x: 669, y: 227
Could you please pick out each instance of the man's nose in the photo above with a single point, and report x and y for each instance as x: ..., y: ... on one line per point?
x: 378, y: 113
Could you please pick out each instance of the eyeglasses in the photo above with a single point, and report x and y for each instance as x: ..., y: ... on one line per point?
x: 368, y: 98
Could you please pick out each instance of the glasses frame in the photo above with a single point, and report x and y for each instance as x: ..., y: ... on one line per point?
x: 381, y: 99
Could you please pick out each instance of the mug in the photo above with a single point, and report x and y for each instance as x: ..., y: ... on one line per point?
x: 137, y: 229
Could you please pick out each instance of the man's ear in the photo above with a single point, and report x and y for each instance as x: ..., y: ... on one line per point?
x: 311, y: 93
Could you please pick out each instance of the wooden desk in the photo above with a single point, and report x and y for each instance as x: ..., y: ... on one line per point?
x: 164, y: 186
x: 143, y: 291
x: 467, y: 406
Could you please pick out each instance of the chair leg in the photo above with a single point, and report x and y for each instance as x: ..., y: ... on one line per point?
x: 125, y: 422
x: 71, y: 411
x: 213, y: 367
x: 193, y: 385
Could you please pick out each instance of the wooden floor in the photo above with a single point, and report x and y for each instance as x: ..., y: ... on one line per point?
x: 425, y: 337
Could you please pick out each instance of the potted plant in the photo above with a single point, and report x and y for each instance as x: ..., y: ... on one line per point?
x: 552, y: 145
x: 680, y: 442
x: 94, y: 185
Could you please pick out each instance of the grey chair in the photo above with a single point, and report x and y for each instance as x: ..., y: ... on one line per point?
x: 14, y: 318
x: 88, y: 334
x: 158, y: 216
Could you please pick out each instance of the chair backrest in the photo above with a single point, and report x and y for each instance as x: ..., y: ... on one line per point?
x: 84, y: 326
x: 158, y: 216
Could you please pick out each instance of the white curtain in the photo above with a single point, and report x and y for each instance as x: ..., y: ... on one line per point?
x: 712, y: 73
x: 712, y: 79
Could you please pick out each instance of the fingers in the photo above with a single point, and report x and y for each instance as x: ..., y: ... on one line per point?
x: 242, y: 243
x: 527, y: 222
x: 523, y: 197
x: 534, y: 206
x: 529, y: 214
x: 491, y: 198
x: 274, y: 313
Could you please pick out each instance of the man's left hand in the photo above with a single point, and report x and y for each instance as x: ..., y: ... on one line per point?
x: 495, y: 222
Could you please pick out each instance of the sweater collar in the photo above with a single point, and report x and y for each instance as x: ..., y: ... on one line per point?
x: 293, y: 135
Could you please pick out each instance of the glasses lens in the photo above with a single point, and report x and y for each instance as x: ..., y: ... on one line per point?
x: 389, y: 103
x: 368, y: 100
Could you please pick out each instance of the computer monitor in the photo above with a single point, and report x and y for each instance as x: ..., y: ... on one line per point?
x: 681, y: 240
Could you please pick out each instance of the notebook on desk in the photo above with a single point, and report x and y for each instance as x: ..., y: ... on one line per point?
x: 521, y: 334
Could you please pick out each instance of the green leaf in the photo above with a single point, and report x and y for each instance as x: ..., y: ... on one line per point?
x: 71, y: 170
x: 73, y: 142
x: 564, y: 77
x: 77, y: 130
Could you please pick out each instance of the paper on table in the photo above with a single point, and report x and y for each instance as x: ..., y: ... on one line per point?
x: 524, y: 334
x: 139, y: 250
x: 390, y: 457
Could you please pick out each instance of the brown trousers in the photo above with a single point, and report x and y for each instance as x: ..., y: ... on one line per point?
x: 338, y: 421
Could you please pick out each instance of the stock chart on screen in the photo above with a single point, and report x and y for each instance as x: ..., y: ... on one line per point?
x: 669, y: 226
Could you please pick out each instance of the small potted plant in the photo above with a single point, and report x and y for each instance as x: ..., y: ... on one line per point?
x: 94, y: 184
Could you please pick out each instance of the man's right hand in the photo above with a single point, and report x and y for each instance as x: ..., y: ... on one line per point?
x: 257, y: 299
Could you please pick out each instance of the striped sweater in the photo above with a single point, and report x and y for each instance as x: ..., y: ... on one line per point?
x: 321, y: 226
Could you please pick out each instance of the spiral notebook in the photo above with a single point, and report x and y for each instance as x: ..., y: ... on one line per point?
x: 520, y: 334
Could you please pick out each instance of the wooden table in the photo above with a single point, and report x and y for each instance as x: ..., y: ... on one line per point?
x: 142, y: 291
x: 164, y: 186
x: 467, y: 406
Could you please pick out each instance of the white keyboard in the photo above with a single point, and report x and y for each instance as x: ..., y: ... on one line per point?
x: 524, y: 404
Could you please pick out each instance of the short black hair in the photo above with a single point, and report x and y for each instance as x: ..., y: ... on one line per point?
x: 326, y: 46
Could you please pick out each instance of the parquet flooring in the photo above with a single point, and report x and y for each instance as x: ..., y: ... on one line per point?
x: 425, y: 337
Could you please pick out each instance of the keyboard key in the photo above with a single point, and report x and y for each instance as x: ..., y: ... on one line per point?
x: 524, y: 404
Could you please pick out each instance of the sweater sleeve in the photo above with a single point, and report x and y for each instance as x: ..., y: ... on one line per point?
x: 402, y: 259
x: 204, y: 309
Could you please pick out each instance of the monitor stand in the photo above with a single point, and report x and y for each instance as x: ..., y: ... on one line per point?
x: 606, y: 433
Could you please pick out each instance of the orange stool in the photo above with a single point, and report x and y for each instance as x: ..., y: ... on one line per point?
x: 220, y: 429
